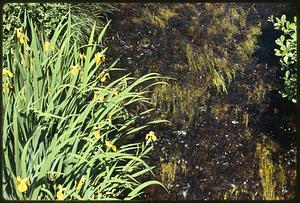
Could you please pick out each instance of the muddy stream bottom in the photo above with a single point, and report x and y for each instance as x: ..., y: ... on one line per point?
x: 239, y: 145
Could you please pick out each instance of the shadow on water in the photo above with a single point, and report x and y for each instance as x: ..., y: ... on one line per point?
x: 234, y: 145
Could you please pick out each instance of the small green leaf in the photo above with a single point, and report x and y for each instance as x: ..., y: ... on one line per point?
x: 285, y: 59
x: 283, y: 18
x: 287, y: 73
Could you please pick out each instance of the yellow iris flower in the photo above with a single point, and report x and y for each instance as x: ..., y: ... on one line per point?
x: 99, y: 58
x: 97, y: 134
x: 109, y: 145
x: 74, y: 69
x: 103, y: 79
x: 114, y: 148
x: 151, y: 137
x: 60, y: 192
x: 95, y: 94
x: 22, y: 39
x: 22, y: 184
x: 20, y: 35
x: 46, y: 46
x: 82, y: 56
x: 7, y: 72
x: 7, y: 87
x: 103, y: 58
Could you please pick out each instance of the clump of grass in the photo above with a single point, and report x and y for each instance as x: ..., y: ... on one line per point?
x: 169, y: 170
x: 235, y: 193
x: 272, y: 175
x: 179, y: 102
x: 160, y: 17
x: 245, y: 119
x: 194, y: 60
x: 219, y: 110
x: 257, y: 93
x: 266, y: 172
x: 64, y: 123
x: 168, y: 173
x: 213, y: 68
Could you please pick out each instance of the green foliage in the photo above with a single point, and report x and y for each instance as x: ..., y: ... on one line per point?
x: 288, y: 52
x: 48, y: 15
x: 64, y: 127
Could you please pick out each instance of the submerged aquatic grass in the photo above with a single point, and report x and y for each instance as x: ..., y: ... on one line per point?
x: 197, y: 62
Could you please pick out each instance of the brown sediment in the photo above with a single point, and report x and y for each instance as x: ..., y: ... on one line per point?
x: 225, y: 111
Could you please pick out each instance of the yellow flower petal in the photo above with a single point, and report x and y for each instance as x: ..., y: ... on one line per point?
x: 22, y: 184
x: 74, y: 70
x: 82, y: 56
x: 107, y: 143
x: 10, y: 74
x: 154, y: 138
x: 60, y: 195
x: 114, y: 148
x: 7, y: 87
x: 59, y: 187
x: 18, y: 180
x: 46, y: 46
x: 22, y: 39
x: 7, y: 72
x: 151, y: 136
x: 18, y: 33
x: 101, y: 98
x: 95, y: 94
x: 22, y: 187
x: 103, y: 79
x: 97, y: 135
x: 26, y: 181
x: 98, y: 58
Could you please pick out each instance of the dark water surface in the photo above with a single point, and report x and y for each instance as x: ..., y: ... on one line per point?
x: 216, y: 145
